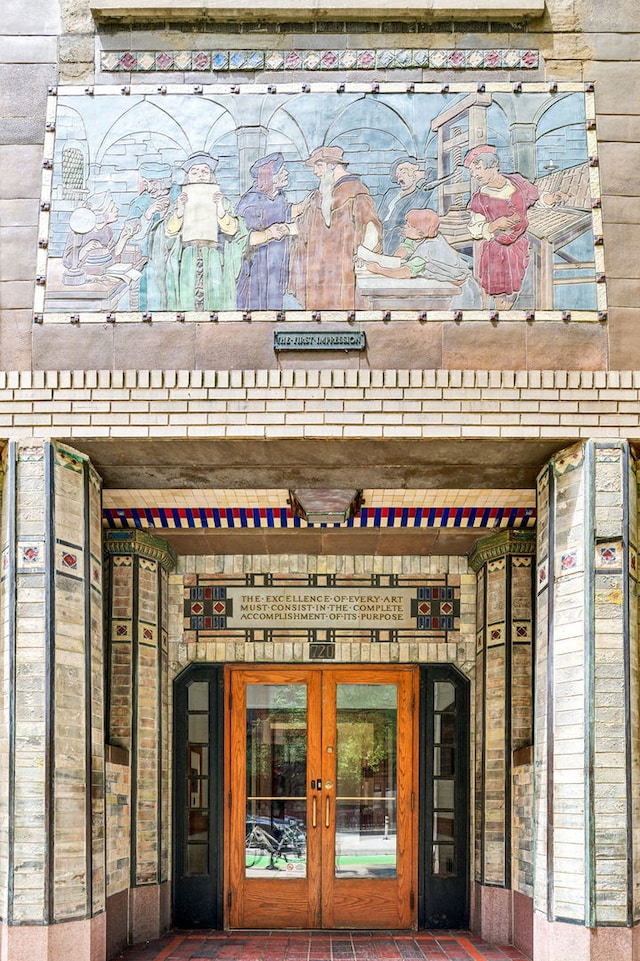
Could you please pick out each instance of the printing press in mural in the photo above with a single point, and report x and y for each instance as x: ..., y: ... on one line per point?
x: 468, y: 198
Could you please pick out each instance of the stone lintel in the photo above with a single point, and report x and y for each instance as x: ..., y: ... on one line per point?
x: 331, y: 9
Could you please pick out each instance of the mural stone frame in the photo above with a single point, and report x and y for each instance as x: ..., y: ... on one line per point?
x: 350, y: 202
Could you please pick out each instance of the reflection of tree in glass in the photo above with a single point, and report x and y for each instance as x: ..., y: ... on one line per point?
x: 276, y: 741
x: 366, y: 742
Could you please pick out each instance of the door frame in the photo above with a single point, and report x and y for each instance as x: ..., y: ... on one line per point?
x: 439, y: 895
x: 199, y: 901
x: 348, y: 894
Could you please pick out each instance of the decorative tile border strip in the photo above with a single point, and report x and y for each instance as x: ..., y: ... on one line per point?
x: 165, y: 61
x: 178, y: 518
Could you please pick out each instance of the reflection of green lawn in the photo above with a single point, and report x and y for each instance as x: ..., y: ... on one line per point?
x: 367, y: 859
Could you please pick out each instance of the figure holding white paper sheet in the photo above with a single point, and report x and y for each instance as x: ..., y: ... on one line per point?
x: 205, y: 261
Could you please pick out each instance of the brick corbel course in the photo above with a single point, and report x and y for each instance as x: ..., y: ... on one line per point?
x: 320, y: 403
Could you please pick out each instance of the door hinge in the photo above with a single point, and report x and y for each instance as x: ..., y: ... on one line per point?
x: 229, y: 898
x: 413, y: 801
x: 229, y: 800
x: 412, y: 900
x: 413, y: 701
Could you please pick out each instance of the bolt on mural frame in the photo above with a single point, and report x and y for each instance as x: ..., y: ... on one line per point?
x: 343, y: 202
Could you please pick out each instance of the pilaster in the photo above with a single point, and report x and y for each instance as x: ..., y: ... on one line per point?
x: 504, y: 624
x: 52, y: 868
x: 139, y: 565
x: 587, y: 723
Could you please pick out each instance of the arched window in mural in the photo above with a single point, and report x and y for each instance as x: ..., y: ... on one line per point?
x: 73, y: 173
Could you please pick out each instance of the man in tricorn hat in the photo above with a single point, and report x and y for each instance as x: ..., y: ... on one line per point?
x: 264, y: 275
x: 333, y: 221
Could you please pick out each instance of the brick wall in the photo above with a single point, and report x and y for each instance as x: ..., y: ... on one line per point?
x: 323, y: 404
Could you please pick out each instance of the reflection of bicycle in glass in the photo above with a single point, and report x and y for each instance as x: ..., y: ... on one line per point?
x: 282, y: 842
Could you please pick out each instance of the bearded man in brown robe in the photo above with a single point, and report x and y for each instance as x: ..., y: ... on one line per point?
x: 332, y: 222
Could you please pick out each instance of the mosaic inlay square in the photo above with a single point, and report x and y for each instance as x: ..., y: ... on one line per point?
x: 608, y: 556
x: 30, y: 555
x: 69, y: 560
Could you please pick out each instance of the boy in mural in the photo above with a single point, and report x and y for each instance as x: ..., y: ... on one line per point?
x: 205, y: 260
x: 264, y: 275
x: 145, y: 231
x: 426, y: 254
x: 92, y: 246
x: 414, y: 191
x: 499, y: 221
x: 333, y: 221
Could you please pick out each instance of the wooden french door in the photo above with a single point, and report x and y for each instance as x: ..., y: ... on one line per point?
x: 320, y: 784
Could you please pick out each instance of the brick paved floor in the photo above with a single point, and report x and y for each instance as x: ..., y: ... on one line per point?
x: 320, y: 946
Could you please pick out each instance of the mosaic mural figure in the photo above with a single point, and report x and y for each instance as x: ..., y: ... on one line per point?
x: 333, y: 222
x: 91, y: 245
x: 424, y: 253
x: 499, y: 221
x: 414, y: 191
x: 146, y: 235
x: 205, y: 261
x: 264, y: 274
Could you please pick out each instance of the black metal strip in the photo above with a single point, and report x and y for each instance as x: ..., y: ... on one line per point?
x: 589, y: 683
x: 161, y: 722
x: 483, y: 765
x: 50, y: 665
x: 551, y: 535
x: 508, y: 708
x: 626, y: 650
x: 10, y: 489
x: 88, y: 693
x: 135, y: 679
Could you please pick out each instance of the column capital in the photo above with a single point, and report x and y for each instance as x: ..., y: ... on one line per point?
x: 142, y: 545
x: 501, y: 544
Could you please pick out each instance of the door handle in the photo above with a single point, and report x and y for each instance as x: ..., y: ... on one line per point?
x: 314, y: 812
x: 326, y: 811
x: 316, y: 785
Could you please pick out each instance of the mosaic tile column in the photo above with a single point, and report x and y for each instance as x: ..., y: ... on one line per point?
x: 587, y: 764
x: 138, y: 566
x: 503, y: 712
x: 52, y: 839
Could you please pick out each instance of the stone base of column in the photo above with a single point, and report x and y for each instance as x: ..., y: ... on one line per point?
x: 149, y: 912
x: 522, y: 936
x: 557, y: 941
x: 80, y: 940
x: 117, y: 923
x: 492, y: 913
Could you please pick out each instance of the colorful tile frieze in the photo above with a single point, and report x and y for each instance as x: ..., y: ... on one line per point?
x: 165, y: 61
x: 258, y: 517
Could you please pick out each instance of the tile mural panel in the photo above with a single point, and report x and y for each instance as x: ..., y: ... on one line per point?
x: 449, y: 202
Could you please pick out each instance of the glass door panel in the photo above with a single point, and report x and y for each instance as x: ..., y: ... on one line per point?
x: 276, y: 772
x: 366, y: 781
